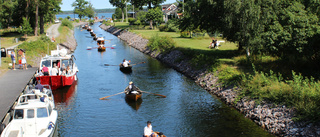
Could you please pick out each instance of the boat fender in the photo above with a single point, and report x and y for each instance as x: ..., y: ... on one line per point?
x: 51, y: 125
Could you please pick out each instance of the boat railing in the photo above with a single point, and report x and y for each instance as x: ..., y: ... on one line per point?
x: 26, y: 98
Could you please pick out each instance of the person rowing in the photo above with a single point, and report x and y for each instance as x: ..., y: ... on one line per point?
x: 125, y: 63
x: 148, y: 132
x: 132, y: 89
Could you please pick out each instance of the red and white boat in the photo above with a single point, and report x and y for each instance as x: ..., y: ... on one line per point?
x: 60, y: 79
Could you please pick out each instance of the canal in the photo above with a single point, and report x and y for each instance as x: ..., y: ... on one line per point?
x: 188, y: 110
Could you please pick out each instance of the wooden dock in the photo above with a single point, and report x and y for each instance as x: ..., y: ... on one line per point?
x: 12, y: 83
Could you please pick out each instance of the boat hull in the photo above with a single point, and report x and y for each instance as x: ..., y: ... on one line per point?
x: 133, y: 97
x: 102, y: 49
x: 57, y: 82
x: 126, y: 69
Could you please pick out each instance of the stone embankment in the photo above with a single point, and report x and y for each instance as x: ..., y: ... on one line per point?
x: 276, y: 120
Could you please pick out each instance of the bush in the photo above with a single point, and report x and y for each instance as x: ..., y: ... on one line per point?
x: 172, y: 26
x: 163, y: 28
x: 131, y: 21
x: 137, y: 22
x: 77, y: 20
x: 185, y: 34
x: 161, y: 44
x: 67, y: 23
x: 301, y: 93
x: 91, y: 21
x: 60, y: 18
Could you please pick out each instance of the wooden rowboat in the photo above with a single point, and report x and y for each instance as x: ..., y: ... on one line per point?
x: 93, y: 34
x: 125, y: 69
x: 101, y: 48
x: 131, y: 96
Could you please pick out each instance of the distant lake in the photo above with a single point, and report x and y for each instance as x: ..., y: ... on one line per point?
x: 106, y: 15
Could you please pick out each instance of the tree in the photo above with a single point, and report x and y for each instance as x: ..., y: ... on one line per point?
x: 90, y: 11
x: 154, y: 15
x: 48, y: 8
x: 37, y: 16
x: 80, y: 7
x: 6, y: 12
x: 25, y: 28
x: 119, y: 4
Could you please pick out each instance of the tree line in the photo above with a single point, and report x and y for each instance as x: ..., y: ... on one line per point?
x: 28, y: 14
x: 95, y: 10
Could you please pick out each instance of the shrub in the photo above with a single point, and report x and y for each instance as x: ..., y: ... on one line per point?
x: 185, y: 34
x: 67, y: 23
x: 131, y: 21
x: 91, y: 21
x: 77, y: 20
x: 163, y: 28
x: 60, y: 18
x: 301, y: 93
x: 137, y: 22
x: 161, y: 44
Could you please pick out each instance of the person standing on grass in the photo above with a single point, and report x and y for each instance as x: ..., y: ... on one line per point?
x: 23, y: 61
x: 13, y: 59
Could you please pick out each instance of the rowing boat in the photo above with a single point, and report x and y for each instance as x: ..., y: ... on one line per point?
x: 125, y: 69
x: 134, y: 95
x: 101, y: 48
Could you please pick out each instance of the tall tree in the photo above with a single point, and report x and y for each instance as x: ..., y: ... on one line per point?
x: 80, y: 7
x: 6, y: 12
x: 36, y: 16
x: 48, y: 8
x: 119, y: 4
x: 90, y: 11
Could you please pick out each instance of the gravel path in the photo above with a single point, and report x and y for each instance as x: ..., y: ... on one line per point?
x: 53, y: 31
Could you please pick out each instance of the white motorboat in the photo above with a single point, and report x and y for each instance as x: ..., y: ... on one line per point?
x: 33, y: 116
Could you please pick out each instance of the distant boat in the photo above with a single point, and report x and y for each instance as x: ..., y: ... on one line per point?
x: 103, y: 48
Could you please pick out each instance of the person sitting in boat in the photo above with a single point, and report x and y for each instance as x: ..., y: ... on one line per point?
x: 125, y: 63
x: 63, y: 67
x: 43, y: 99
x: 148, y: 132
x: 68, y: 70
x: 45, y: 70
x: 54, y: 71
x: 39, y: 86
x: 132, y: 89
x: 64, y: 72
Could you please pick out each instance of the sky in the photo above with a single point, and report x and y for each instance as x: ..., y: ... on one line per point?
x: 97, y: 4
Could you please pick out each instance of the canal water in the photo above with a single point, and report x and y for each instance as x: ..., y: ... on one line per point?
x: 188, y: 110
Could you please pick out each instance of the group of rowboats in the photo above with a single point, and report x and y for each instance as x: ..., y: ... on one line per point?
x: 100, y: 40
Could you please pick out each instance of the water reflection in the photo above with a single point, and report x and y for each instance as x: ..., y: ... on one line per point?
x: 65, y: 94
x: 135, y: 105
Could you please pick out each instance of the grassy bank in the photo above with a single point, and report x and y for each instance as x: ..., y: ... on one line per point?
x: 262, y: 78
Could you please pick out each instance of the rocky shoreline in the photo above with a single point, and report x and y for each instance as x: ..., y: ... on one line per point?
x: 276, y: 120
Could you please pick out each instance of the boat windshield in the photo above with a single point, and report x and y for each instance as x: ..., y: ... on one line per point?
x: 47, y: 63
x: 30, y: 113
x: 18, y: 114
x: 42, y: 112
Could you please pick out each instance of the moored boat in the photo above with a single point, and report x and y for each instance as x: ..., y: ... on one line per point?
x: 33, y: 116
x: 67, y: 69
x: 133, y: 95
x: 93, y: 35
x: 125, y: 69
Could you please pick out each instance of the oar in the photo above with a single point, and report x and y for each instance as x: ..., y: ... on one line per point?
x: 110, y: 65
x: 110, y: 47
x: 154, y: 94
x: 91, y: 48
x: 111, y: 95
x: 138, y: 63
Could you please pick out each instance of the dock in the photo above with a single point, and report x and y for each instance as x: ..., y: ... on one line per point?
x: 12, y: 84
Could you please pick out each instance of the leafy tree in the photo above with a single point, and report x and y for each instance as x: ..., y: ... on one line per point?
x: 119, y: 4
x: 6, y: 12
x: 90, y: 11
x: 150, y: 3
x: 48, y: 8
x: 118, y: 13
x: 25, y: 28
x: 154, y: 15
x: 80, y: 7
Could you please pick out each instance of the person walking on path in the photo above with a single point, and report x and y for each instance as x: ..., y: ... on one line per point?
x: 13, y: 59
x: 24, y: 61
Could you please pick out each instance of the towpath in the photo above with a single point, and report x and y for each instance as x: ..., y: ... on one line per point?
x: 53, y: 31
x: 12, y: 84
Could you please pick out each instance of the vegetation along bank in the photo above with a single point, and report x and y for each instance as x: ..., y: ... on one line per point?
x: 276, y: 119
